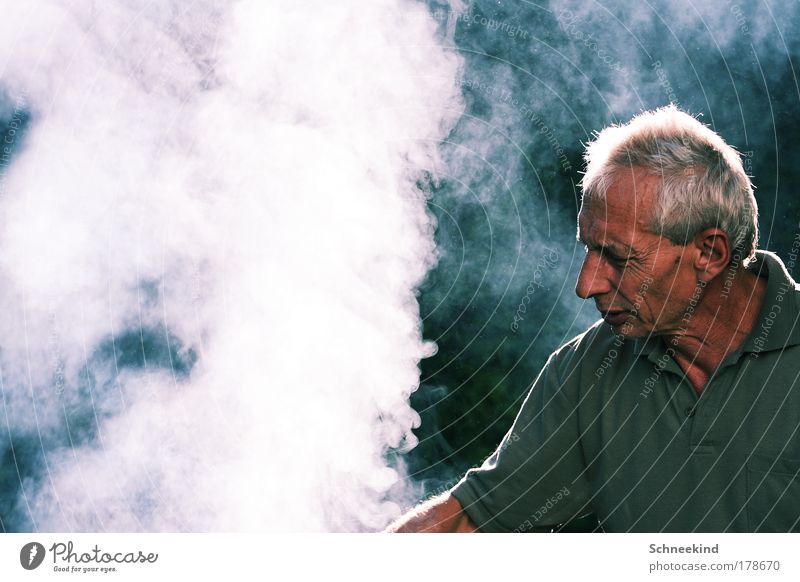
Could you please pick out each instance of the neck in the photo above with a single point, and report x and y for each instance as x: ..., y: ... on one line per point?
x: 721, y: 321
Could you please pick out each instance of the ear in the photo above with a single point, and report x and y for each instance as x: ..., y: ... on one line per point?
x: 713, y: 253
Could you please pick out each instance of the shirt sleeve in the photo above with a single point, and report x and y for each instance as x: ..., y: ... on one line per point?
x: 536, y: 478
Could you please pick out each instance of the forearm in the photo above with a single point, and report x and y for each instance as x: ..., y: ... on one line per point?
x: 442, y: 514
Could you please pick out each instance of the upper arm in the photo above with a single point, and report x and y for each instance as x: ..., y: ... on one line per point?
x: 536, y: 477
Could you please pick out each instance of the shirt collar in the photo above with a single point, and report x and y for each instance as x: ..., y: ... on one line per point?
x: 776, y: 326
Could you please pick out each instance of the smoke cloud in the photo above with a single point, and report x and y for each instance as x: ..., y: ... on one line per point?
x: 211, y: 233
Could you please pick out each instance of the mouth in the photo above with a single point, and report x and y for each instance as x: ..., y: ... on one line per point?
x: 615, y: 317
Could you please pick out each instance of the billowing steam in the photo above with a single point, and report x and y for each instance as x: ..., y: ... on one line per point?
x: 210, y: 238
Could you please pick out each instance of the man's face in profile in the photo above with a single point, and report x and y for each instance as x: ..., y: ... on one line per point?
x: 641, y: 282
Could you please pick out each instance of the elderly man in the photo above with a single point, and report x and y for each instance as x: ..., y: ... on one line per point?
x: 680, y: 409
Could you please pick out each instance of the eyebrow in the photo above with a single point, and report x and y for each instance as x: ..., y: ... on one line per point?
x: 612, y: 248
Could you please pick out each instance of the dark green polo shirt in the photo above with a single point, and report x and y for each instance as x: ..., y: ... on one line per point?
x: 612, y: 427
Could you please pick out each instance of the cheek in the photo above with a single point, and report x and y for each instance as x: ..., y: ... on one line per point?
x: 650, y: 297
x: 672, y: 304
x: 653, y: 307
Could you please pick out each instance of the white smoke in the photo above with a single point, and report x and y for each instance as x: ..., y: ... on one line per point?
x: 242, y: 175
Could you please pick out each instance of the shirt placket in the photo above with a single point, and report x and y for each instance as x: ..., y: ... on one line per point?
x: 695, y: 413
x: 682, y: 397
x: 705, y: 411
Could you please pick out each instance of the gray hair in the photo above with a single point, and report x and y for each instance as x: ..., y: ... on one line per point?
x: 703, y: 183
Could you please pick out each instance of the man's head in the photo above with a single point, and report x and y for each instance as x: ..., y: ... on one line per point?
x: 666, y: 207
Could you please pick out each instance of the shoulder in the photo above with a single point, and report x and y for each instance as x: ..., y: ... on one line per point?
x: 582, y: 356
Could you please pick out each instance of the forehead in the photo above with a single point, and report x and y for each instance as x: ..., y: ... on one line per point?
x: 624, y: 214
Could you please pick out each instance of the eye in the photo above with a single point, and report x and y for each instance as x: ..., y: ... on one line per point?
x: 615, y: 258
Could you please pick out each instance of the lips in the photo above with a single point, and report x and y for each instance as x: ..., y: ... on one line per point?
x: 615, y: 317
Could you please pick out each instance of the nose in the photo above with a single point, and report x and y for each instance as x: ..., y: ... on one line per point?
x: 594, y: 278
